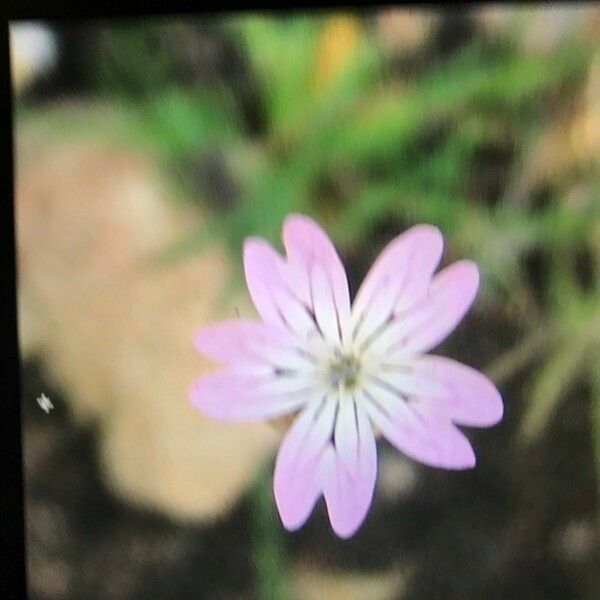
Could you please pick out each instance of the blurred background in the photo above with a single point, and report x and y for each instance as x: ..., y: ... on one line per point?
x: 147, y: 149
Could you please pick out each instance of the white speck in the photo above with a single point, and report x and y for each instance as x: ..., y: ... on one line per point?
x: 35, y: 43
x: 45, y: 403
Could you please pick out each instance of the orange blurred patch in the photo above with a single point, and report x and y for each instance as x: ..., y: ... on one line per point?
x: 337, y: 45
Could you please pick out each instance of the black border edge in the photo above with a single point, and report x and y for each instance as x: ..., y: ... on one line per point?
x: 13, y: 583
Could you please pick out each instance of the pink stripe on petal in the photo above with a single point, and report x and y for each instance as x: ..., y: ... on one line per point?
x: 410, y: 258
x: 424, y: 437
x: 470, y: 398
x: 308, y: 245
x: 297, y: 480
x: 231, y: 396
x: 452, y: 293
x: 350, y: 471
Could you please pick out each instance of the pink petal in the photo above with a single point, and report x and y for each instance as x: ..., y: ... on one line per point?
x: 297, y: 478
x: 233, y: 396
x: 468, y: 397
x: 422, y: 327
x: 346, y: 431
x: 246, y: 341
x: 307, y: 246
x: 452, y: 293
x: 350, y: 469
x: 409, y: 259
x: 264, y: 266
x: 417, y: 432
x: 277, y: 289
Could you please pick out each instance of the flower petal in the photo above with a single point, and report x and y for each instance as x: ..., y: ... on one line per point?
x: 419, y: 433
x: 452, y: 293
x: 468, y: 396
x: 231, y: 396
x: 408, y: 382
x: 264, y: 267
x: 424, y: 326
x: 350, y: 470
x: 411, y: 259
x: 240, y: 341
x: 276, y: 289
x: 368, y: 324
x: 297, y: 478
x: 346, y: 431
x: 307, y: 245
x: 324, y: 306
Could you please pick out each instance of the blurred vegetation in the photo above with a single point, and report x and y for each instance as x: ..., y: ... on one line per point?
x: 482, y: 140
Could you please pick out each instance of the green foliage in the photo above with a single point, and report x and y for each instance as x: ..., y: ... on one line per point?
x: 131, y: 60
x: 178, y: 125
x: 270, y: 560
x: 282, y: 51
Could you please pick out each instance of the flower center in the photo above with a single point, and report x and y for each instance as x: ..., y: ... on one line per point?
x: 344, y: 371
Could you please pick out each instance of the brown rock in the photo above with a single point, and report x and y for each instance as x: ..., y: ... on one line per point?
x: 115, y: 333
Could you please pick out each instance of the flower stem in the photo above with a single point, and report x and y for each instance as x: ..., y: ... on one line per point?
x: 270, y: 559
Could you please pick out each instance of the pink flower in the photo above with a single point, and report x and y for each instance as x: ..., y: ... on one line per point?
x: 348, y: 373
